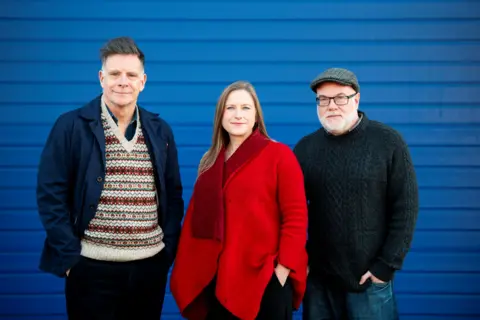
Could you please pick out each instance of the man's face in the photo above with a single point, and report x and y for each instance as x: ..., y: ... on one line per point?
x: 122, y: 80
x: 337, y: 117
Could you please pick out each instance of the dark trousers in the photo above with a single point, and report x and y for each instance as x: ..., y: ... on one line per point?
x: 277, y: 303
x: 117, y: 290
x: 327, y: 303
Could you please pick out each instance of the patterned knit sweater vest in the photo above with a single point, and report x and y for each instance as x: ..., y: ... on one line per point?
x: 125, y: 226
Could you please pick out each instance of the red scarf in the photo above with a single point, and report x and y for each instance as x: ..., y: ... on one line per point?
x: 208, y: 216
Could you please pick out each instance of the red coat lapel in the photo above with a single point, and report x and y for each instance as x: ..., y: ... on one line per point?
x: 208, y: 214
x: 246, y: 152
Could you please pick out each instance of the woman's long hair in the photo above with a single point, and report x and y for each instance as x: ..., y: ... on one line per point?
x: 220, y: 137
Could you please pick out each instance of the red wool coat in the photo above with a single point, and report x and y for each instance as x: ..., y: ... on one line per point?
x: 265, y: 223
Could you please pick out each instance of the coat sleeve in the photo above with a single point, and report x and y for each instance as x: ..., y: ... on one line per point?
x: 294, y: 217
x: 53, y: 189
x: 403, y: 206
x: 175, y: 203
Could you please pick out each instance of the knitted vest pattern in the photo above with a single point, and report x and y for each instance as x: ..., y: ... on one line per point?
x: 125, y: 226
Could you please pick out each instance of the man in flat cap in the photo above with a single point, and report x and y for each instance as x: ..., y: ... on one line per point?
x: 363, y: 204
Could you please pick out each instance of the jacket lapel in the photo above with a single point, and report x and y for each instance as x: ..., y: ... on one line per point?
x: 99, y: 134
x: 92, y: 113
x: 208, y: 217
x: 249, y: 149
x: 150, y: 125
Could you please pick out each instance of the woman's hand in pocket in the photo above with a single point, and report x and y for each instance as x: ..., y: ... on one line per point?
x: 282, y: 274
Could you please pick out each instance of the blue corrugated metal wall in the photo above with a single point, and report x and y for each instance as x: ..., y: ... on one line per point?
x: 419, y: 67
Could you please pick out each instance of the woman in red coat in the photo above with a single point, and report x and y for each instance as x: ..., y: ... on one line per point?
x: 242, y: 253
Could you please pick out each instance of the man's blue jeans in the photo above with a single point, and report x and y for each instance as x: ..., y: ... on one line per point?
x: 324, y: 303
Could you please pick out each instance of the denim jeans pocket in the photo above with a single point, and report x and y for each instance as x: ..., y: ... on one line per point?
x: 377, y: 286
x: 376, y: 303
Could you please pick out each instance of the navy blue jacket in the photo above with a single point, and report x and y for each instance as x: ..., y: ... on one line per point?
x: 71, y: 175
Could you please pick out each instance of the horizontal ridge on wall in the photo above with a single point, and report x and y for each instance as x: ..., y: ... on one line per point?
x: 244, y: 10
x: 319, y: 52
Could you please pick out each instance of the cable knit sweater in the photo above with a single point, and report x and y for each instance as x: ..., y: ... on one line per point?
x: 363, y: 202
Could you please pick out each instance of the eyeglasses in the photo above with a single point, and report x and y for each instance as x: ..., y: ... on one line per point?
x: 341, y: 100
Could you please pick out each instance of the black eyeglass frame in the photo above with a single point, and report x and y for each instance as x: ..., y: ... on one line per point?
x: 317, y: 100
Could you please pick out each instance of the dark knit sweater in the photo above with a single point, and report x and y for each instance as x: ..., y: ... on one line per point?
x: 363, y: 203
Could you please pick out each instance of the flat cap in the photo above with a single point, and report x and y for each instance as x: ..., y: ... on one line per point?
x: 341, y: 76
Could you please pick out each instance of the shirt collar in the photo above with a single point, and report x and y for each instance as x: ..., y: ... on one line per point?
x: 356, y: 124
x: 134, y: 118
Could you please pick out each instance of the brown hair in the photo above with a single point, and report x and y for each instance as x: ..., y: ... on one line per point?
x: 220, y: 137
x: 121, y: 45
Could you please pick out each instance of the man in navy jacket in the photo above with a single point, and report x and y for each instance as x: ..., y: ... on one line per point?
x: 109, y: 196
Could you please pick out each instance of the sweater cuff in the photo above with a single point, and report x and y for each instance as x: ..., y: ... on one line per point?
x: 382, y: 271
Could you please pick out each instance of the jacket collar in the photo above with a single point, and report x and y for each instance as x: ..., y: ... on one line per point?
x: 208, y: 217
x: 92, y: 113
